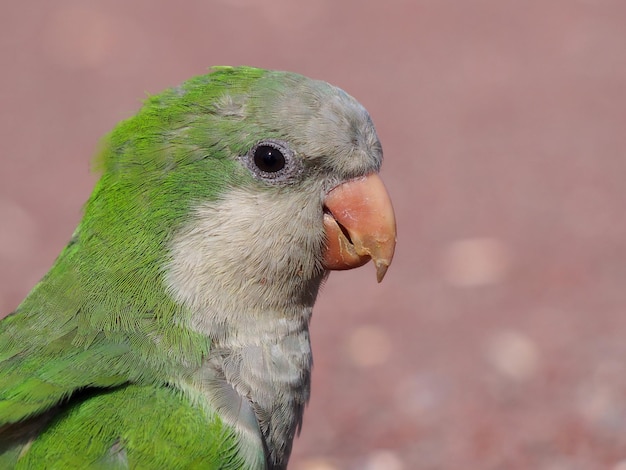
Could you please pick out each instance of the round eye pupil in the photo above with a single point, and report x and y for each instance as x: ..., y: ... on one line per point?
x: 269, y: 159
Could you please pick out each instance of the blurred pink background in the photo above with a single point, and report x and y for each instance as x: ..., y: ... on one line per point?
x: 498, y: 338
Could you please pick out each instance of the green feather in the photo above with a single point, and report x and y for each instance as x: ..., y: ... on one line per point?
x: 149, y: 438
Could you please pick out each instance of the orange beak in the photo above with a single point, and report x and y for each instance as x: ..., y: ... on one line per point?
x: 360, y: 225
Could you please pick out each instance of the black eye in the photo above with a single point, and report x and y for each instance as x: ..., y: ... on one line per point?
x: 269, y: 159
x: 273, y: 161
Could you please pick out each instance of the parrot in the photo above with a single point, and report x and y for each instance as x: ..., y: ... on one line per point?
x: 172, y: 331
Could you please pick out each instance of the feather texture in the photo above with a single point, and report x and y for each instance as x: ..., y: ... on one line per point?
x: 172, y: 331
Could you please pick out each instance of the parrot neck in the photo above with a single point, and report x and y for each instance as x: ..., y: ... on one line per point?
x: 271, y: 371
x: 253, y: 298
x: 259, y: 384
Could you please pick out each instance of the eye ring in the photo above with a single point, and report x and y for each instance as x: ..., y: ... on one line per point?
x: 273, y: 160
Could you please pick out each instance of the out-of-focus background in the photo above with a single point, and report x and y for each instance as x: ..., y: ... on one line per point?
x: 498, y: 338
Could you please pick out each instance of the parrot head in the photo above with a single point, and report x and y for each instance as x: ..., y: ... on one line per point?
x: 258, y: 182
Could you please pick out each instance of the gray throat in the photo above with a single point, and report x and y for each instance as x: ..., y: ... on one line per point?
x: 252, y: 295
x: 273, y: 377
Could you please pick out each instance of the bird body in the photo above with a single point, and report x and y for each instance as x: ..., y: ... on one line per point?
x: 172, y: 331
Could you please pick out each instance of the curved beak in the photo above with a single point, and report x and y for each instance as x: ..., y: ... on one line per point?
x: 360, y: 225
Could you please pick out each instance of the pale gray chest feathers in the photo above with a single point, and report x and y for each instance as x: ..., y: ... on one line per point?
x: 274, y: 376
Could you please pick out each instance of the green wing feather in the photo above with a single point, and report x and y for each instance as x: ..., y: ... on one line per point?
x: 133, y: 427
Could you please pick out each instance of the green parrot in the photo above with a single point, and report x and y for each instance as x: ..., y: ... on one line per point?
x: 172, y: 330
